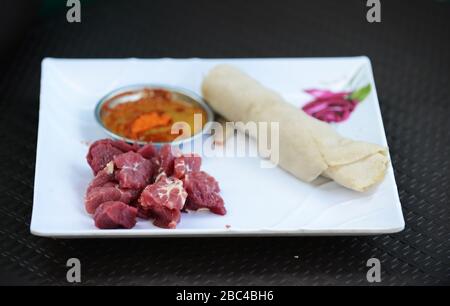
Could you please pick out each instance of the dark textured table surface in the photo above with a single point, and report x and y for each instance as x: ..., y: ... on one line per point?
x: 410, y: 53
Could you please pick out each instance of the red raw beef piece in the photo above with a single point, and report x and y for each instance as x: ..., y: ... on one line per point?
x: 186, y: 163
x: 163, y: 201
x: 156, y: 166
x: 105, y: 188
x: 203, y: 192
x: 165, y: 192
x: 167, y: 155
x: 165, y: 218
x: 103, y: 151
x: 128, y: 196
x: 148, y: 151
x: 134, y: 172
x: 114, y: 214
x: 103, y: 177
x: 109, y: 192
x: 99, y: 195
x: 100, y: 153
x: 143, y: 213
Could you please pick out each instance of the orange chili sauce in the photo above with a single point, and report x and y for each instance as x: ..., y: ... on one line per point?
x: 150, y: 118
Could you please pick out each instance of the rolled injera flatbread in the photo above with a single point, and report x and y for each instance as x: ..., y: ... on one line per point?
x: 308, y: 147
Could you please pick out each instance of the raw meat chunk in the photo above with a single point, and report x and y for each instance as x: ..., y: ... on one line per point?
x: 148, y: 151
x: 128, y: 196
x: 143, y: 213
x: 155, y: 169
x: 186, y: 163
x: 163, y: 201
x: 109, y: 192
x: 114, y: 214
x: 134, y: 171
x: 100, y: 153
x: 103, y: 177
x: 165, y: 218
x: 103, y: 151
x: 167, y: 192
x: 105, y: 188
x: 132, y: 181
x: 202, y: 178
x: 167, y: 155
x: 203, y: 192
x: 99, y: 195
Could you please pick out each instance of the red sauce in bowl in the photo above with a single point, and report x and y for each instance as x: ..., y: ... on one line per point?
x: 151, y: 116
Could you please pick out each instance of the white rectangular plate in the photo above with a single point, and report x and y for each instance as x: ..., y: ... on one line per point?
x: 259, y: 201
